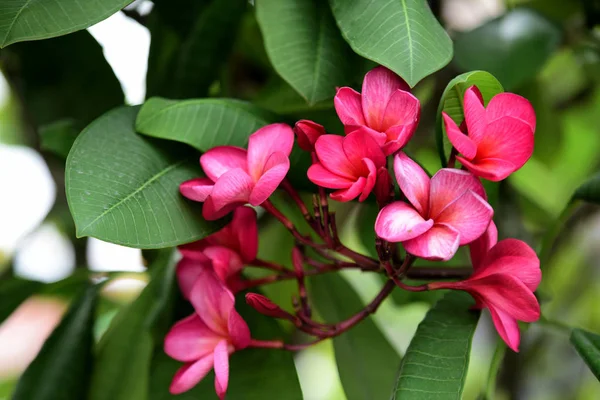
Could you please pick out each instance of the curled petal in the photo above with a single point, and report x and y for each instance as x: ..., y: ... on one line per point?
x: 321, y: 176
x: 221, y: 365
x: 507, y: 328
x: 276, y: 167
x: 190, y: 339
x: 190, y: 374
x: 218, y: 160
x: 437, y: 244
x: 492, y: 169
x: 348, y: 106
x: 212, y: 301
x: 470, y: 215
x: 239, y: 333
x: 378, y: 87
x: 226, y: 262
x: 330, y: 151
x: 371, y: 179
x: 511, y: 105
x: 475, y: 116
x: 211, y: 213
x: 197, y: 189
x: 352, y: 192
x: 270, y: 139
x: 398, y: 222
x: 480, y: 247
x: 402, y: 109
x: 413, y: 182
x: 307, y: 133
x: 235, y: 186
x: 359, y: 145
x: 397, y: 137
x: 461, y: 142
x: 447, y: 185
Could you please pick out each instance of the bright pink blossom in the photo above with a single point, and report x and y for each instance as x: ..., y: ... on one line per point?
x: 386, y: 109
x: 236, y: 176
x: 500, y: 136
x: 349, y: 164
x: 205, y: 339
x: 449, y: 210
x: 308, y: 132
x: 504, y: 282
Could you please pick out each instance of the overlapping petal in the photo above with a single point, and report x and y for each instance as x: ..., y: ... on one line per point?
x: 197, y: 189
x: 190, y: 339
x: 348, y: 105
x: 219, y: 160
x: 469, y: 214
x: 437, y: 244
x: 447, y: 185
x: 413, y: 182
x: 190, y: 374
x: 270, y: 139
x: 398, y: 222
x: 221, y: 365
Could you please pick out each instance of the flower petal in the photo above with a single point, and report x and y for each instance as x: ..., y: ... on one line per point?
x: 307, y: 133
x: 221, y: 362
x: 190, y: 374
x: 461, y: 142
x: 507, y: 328
x: 245, y: 228
x: 371, y: 178
x: 239, y: 333
x: 218, y: 160
x: 359, y: 145
x: 211, y: 213
x: 479, y: 248
x: 437, y: 244
x: 352, y: 192
x: 508, y: 139
x: 398, y: 222
x: 330, y: 151
x: 188, y: 270
x: 397, y: 137
x: 212, y: 301
x: 190, y: 339
x: 492, y: 169
x: 273, y: 138
x: 321, y: 176
x: 377, y: 89
x: 348, y: 106
x: 447, y: 185
x: 234, y: 186
x: 511, y: 105
x: 276, y: 168
x: 513, y: 257
x: 475, y: 116
x: 470, y: 215
x: 225, y: 262
x: 197, y: 189
x: 413, y: 182
x: 402, y: 109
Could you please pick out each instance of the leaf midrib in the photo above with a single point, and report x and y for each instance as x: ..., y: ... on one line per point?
x: 409, y: 37
x: 12, y: 24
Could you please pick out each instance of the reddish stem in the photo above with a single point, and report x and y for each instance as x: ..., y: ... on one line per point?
x: 268, y: 265
x: 271, y: 209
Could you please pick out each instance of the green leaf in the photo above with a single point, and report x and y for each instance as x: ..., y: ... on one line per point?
x: 124, y: 189
x: 452, y: 103
x: 41, y: 19
x: 436, y: 361
x: 13, y: 292
x: 63, y: 366
x: 587, y: 345
x: 58, y: 137
x: 305, y: 46
x: 513, y: 47
x: 589, y: 191
x: 366, y: 360
x: 402, y: 35
x: 203, y: 123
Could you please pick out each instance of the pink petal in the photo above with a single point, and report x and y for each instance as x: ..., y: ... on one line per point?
x: 377, y: 89
x: 470, y: 215
x: 437, y: 244
x: 352, y: 192
x: 508, y: 139
x: 461, y: 142
x: 447, y: 185
x: 397, y: 137
x: 218, y: 160
x: 330, y: 151
x: 492, y: 169
x: 190, y: 374
x: 398, y: 222
x: 413, y: 182
x: 239, y: 333
x: 475, y: 116
x: 480, y: 247
x: 221, y: 369
x: 323, y: 177
x: 235, y: 186
x: 371, y: 178
x: 190, y: 339
x: 226, y: 262
x: 197, y: 189
x: 513, y: 257
x: 507, y: 328
x: 273, y: 138
x: 511, y: 105
x: 348, y: 106
x: 245, y: 228
x: 211, y: 213
x: 193, y: 251
x: 359, y: 145
x: 402, y: 109
x: 276, y: 168
x: 212, y: 301
x: 307, y: 133
x: 188, y: 270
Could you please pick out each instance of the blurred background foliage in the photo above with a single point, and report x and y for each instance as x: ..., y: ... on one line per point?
x: 545, y: 50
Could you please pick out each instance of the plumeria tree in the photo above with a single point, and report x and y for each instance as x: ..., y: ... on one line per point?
x: 296, y: 167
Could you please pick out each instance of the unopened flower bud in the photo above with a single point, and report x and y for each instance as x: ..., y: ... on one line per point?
x: 266, y: 307
x: 384, y: 188
x: 308, y: 132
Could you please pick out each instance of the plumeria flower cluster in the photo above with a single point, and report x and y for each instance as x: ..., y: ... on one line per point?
x: 431, y: 219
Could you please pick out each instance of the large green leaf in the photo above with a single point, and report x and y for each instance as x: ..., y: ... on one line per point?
x: 366, y: 361
x: 402, y: 35
x: 203, y: 123
x: 452, y: 103
x: 63, y: 366
x: 41, y: 19
x: 124, y: 189
x: 513, y: 47
x: 589, y: 190
x: 436, y: 362
x: 13, y: 292
x: 305, y: 46
x: 587, y: 345
x: 58, y: 137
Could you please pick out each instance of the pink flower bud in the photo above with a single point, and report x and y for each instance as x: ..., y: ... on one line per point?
x: 384, y: 190
x: 263, y: 305
x: 308, y: 132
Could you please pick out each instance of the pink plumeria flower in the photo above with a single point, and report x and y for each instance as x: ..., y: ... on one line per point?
x: 386, y: 109
x: 349, y: 164
x: 308, y: 132
x: 236, y: 176
x: 500, y: 136
x: 449, y: 210
x: 504, y: 282
x: 205, y: 339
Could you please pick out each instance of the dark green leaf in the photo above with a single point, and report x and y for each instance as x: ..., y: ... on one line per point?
x: 589, y: 191
x: 13, y: 292
x: 63, y: 366
x: 436, y: 362
x: 366, y: 360
x: 124, y: 189
x: 203, y: 123
x: 587, y: 345
x: 452, y: 103
x: 42, y: 19
x: 402, y: 35
x: 305, y: 46
x: 513, y: 47
x: 58, y: 137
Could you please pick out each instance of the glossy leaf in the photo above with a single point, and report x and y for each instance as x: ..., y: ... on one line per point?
x: 63, y: 366
x: 305, y: 46
x: 402, y: 35
x: 124, y: 189
x: 366, y: 361
x: 436, y: 361
x: 42, y: 19
x: 452, y: 103
x: 587, y: 345
x: 589, y: 191
x: 203, y: 123
x: 513, y: 47
x: 13, y: 292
